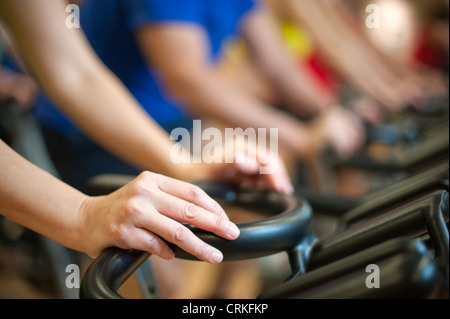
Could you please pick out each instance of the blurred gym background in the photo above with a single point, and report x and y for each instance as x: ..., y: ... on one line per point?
x: 412, y: 32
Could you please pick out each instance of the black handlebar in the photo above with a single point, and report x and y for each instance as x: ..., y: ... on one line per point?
x: 286, y: 228
x: 109, y: 271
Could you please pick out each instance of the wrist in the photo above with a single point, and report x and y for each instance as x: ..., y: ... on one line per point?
x: 82, y: 229
x: 192, y: 172
x: 305, y: 142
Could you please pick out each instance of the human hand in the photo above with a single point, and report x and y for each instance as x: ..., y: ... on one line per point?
x: 368, y: 109
x: 415, y: 88
x: 21, y: 88
x: 433, y: 82
x: 149, y: 209
x: 338, y: 129
x: 248, y: 165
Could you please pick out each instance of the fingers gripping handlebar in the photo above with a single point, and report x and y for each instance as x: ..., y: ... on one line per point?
x: 287, y: 227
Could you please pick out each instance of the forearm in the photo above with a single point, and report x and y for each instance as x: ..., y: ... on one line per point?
x: 84, y: 89
x: 299, y: 88
x: 107, y: 113
x: 207, y: 94
x: 37, y: 200
x: 296, y: 85
x: 40, y: 202
x: 341, y: 46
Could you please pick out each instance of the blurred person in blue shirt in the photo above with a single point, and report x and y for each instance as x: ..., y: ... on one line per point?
x: 166, y: 53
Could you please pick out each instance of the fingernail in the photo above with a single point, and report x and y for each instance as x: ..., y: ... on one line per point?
x: 233, y: 231
x: 216, y: 257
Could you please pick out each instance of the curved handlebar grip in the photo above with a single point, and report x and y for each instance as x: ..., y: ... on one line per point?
x: 287, y: 226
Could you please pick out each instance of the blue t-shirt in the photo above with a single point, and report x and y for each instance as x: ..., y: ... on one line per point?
x: 109, y: 26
